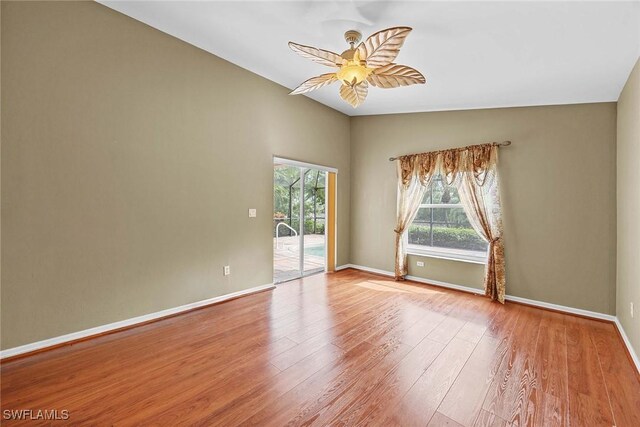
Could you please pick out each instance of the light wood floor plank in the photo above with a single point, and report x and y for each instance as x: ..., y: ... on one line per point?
x: 349, y: 348
x: 588, y: 398
x: 421, y: 401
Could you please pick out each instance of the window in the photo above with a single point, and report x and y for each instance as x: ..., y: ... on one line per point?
x: 441, y: 228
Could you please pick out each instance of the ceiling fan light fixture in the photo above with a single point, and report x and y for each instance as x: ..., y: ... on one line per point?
x: 370, y: 63
x: 353, y: 73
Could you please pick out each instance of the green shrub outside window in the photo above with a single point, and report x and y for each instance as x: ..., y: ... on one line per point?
x: 442, y: 223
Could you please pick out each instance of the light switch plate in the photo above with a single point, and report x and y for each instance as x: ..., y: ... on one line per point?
x: 252, y: 213
x: 227, y: 270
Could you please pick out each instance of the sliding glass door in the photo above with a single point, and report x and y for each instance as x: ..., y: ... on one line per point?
x: 314, y: 221
x: 286, y: 222
x: 299, y: 244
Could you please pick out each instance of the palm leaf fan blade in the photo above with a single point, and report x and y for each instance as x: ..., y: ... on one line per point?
x: 354, y: 94
x: 394, y: 75
x: 382, y: 48
x: 315, y: 83
x: 320, y: 56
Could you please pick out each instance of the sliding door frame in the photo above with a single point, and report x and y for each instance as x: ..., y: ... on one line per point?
x: 331, y: 223
x: 331, y: 199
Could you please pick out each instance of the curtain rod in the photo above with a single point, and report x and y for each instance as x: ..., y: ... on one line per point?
x: 500, y: 144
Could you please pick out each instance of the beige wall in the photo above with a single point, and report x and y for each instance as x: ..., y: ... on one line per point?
x: 557, y: 190
x: 628, y: 188
x: 129, y: 160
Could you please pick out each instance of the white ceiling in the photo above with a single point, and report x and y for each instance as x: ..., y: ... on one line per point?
x: 473, y: 54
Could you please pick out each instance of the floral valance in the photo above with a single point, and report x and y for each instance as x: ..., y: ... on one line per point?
x: 478, y: 160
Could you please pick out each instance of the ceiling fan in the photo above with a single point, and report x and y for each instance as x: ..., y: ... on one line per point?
x: 371, y: 62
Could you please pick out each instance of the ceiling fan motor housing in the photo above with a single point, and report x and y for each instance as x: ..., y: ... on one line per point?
x: 352, y: 37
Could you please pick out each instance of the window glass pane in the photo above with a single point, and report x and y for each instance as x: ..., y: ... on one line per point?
x: 314, y: 201
x: 442, y: 225
x: 445, y: 228
x: 441, y: 193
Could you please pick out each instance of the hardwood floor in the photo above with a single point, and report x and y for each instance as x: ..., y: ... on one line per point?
x: 349, y: 348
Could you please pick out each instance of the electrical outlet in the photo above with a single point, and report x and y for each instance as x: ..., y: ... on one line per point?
x: 252, y: 213
x: 631, y: 308
x: 227, y: 270
x: 420, y: 263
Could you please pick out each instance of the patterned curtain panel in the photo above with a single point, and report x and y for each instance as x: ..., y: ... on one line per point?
x: 473, y: 170
x: 414, y: 173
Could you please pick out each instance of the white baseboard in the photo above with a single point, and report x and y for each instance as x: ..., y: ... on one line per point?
x: 563, y: 308
x: 128, y: 322
x: 625, y: 338
x: 542, y: 304
x: 168, y: 312
x: 446, y: 285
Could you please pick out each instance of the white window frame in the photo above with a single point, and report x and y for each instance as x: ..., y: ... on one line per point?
x: 475, y: 257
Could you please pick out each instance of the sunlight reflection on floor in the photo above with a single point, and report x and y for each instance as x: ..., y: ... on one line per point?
x: 393, y: 286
